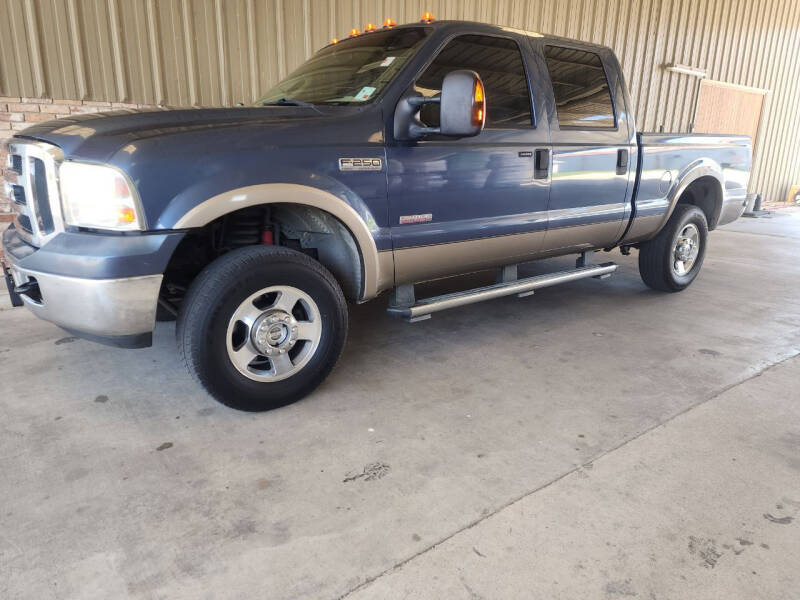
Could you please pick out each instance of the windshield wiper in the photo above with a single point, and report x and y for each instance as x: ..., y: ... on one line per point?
x: 291, y: 102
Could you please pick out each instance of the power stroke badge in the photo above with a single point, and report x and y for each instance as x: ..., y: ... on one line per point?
x: 360, y: 164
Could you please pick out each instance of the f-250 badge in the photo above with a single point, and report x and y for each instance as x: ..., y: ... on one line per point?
x: 360, y: 164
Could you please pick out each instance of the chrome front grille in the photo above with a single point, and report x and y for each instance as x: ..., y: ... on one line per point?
x: 17, y: 194
x: 34, y: 195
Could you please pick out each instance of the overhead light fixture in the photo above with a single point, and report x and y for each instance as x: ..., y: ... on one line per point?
x: 683, y: 69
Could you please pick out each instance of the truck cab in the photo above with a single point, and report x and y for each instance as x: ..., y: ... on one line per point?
x: 390, y: 158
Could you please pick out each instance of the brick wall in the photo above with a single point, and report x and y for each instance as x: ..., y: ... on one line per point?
x: 18, y: 113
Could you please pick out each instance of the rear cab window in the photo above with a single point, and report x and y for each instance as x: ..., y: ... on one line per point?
x: 580, y: 89
x: 499, y: 63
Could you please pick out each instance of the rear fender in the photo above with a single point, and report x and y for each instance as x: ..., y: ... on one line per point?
x: 703, y: 167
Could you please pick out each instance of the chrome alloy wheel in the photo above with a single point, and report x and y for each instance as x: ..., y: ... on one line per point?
x: 686, y: 249
x: 274, y: 333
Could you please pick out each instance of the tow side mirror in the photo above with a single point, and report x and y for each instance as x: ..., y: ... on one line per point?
x: 462, y: 109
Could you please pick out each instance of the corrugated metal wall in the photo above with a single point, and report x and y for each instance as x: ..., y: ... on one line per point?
x: 210, y: 52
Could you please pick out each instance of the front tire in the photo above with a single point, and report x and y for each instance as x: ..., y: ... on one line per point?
x: 671, y: 261
x: 261, y: 327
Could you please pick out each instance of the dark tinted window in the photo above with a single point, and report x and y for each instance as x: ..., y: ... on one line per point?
x: 499, y: 63
x: 580, y: 88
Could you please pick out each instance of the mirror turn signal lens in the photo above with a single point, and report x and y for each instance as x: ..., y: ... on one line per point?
x: 478, y: 104
x: 427, y: 17
x: 478, y: 92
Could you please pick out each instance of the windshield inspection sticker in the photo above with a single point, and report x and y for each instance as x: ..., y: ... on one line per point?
x: 387, y: 61
x: 365, y: 93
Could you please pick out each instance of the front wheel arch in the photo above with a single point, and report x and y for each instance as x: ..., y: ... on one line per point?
x: 352, y: 213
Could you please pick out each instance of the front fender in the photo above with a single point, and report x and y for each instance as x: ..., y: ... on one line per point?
x: 377, y: 267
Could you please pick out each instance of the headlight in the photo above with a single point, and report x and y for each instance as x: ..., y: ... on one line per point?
x: 98, y: 197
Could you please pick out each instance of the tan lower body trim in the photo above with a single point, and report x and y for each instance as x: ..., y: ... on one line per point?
x: 441, y: 260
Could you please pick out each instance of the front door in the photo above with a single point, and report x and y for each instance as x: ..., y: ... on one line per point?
x: 467, y: 204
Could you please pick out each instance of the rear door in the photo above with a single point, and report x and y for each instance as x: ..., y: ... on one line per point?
x: 593, y: 148
x: 463, y: 204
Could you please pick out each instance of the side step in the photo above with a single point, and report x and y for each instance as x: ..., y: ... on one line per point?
x: 522, y: 287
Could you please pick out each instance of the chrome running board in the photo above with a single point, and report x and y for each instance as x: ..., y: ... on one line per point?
x: 423, y: 309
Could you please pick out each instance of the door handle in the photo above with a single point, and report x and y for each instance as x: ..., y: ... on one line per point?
x: 622, y: 161
x: 541, y: 164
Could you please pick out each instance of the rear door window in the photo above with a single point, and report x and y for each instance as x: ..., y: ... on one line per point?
x: 580, y: 87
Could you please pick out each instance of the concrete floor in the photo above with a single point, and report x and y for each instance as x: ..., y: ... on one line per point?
x: 595, y: 440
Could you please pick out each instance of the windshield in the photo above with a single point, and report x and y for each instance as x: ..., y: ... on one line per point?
x: 353, y: 71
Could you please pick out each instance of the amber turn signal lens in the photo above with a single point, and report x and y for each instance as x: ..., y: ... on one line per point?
x: 478, y: 92
x: 427, y: 17
x: 389, y: 22
x: 369, y: 28
x: 478, y: 104
x: 354, y: 32
x: 126, y: 215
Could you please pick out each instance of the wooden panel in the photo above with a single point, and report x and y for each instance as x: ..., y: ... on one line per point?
x: 729, y: 109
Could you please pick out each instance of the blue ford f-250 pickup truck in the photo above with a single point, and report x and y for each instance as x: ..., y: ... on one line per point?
x: 390, y: 158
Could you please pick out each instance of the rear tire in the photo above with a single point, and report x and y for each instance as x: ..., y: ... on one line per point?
x: 261, y: 327
x: 671, y: 261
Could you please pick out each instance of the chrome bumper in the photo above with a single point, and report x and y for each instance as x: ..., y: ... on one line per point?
x: 113, y: 311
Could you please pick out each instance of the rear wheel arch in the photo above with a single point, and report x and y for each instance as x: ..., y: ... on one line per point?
x: 702, y: 186
x: 704, y: 192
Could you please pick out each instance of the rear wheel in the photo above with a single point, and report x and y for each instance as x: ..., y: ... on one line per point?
x: 671, y: 261
x: 262, y: 326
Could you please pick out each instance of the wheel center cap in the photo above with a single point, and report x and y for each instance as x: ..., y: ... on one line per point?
x: 684, y: 250
x: 274, y: 332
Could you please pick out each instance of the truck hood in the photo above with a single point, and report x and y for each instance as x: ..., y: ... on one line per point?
x: 176, y: 158
x: 96, y: 137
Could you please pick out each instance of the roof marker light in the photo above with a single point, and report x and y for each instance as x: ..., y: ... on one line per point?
x: 354, y: 32
x: 389, y: 22
x: 427, y: 17
x: 370, y: 28
x: 335, y: 41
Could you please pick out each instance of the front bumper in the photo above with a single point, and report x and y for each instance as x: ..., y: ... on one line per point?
x: 118, y: 311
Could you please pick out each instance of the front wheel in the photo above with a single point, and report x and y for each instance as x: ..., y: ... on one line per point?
x: 671, y: 260
x: 262, y: 326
